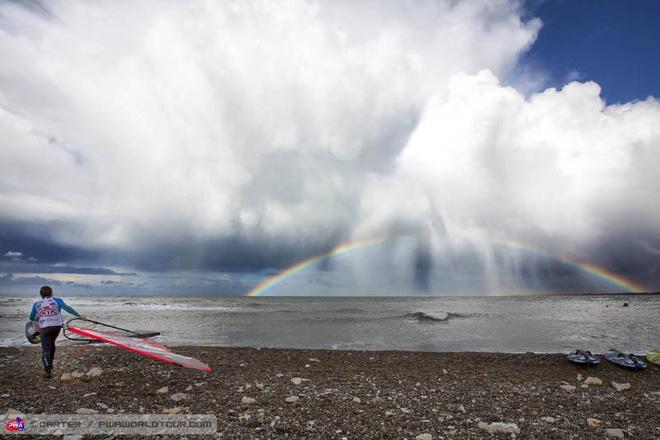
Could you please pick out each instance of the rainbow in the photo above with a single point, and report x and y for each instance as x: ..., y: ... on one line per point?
x: 597, y: 271
x: 339, y: 250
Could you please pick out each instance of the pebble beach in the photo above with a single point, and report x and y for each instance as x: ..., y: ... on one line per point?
x: 331, y: 394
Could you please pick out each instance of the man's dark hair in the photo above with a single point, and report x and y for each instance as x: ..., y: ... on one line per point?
x: 46, y: 291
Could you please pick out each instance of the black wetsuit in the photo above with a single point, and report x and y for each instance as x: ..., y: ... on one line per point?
x: 48, y: 337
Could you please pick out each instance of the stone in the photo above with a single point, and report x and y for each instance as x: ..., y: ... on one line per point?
x: 175, y: 410
x: 179, y: 396
x: 189, y: 388
x: 72, y: 437
x: 163, y: 390
x: 593, y: 423
x: 291, y: 399
x: 549, y: 419
x: 307, y: 366
x: 579, y: 377
x: 357, y: 400
x: 12, y: 413
x: 89, y: 395
x: 593, y: 381
x: 425, y: 436
x: 495, y: 427
x: 296, y: 380
x: 279, y: 375
x: 621, y: 386
x: 248, y: 400
x: 86, y: 411
x: 77, y: 374
x: 389, y: 413
x: 461, y: 408
x: 567, y: 387
x: 66, y: 376
x: 94, y: 372
x: 101, y: 405
x: 616, y: 433
x: 244, y: 416
x: 314, y: 360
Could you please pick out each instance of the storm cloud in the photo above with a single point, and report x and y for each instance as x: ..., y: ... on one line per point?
x: 246, y: 136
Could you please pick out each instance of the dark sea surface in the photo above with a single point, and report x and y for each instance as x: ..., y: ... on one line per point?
x: 539, y: 323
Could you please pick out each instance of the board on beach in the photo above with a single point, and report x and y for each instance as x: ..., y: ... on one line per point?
x: 653, y: 356
x: 583, y: 357
x: 624, y: 360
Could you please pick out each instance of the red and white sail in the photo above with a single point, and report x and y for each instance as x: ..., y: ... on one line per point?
x: 144, y: 346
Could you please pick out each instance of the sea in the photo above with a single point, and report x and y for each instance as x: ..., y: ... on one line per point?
x: 513, y: 324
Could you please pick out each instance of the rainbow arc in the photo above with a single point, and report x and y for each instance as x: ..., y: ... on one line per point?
x: 590, y: 268
x: 266, y: 284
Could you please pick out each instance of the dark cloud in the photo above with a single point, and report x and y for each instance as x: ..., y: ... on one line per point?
x: 36, y: 240
x: 9, y: 280
x: 21, y: 267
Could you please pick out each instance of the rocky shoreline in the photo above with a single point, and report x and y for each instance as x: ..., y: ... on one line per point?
x: 283, y: 393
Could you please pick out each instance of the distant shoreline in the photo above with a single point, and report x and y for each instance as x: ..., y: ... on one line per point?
x: 354, y: 394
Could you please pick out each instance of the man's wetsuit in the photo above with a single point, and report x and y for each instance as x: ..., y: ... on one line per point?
x: 47, y: 312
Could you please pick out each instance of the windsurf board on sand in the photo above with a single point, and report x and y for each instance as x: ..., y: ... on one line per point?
x: 582, y: 357
x: 624, y: 360
x: 653, y: 356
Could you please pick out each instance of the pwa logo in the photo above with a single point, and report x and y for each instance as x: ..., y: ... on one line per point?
x: 15, y: 425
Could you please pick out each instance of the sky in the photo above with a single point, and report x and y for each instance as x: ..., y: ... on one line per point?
x: 608, y: 42
x: 329, y: 148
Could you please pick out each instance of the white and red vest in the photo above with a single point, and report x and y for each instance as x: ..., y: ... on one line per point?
x: 48, y: 313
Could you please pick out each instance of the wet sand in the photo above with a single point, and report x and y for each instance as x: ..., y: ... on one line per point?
x: 346, y: 394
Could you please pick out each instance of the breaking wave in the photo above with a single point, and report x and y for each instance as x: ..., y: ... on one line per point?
x: 432, y: 316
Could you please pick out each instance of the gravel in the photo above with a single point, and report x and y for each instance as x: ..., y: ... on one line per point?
x: 346, y: 394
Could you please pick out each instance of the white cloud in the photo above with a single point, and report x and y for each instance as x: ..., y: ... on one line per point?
x: 129, y: 121
x: 560, y: 164
x: 131, y: 126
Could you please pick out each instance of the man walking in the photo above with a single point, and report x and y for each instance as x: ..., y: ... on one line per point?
x: 48, y: 313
